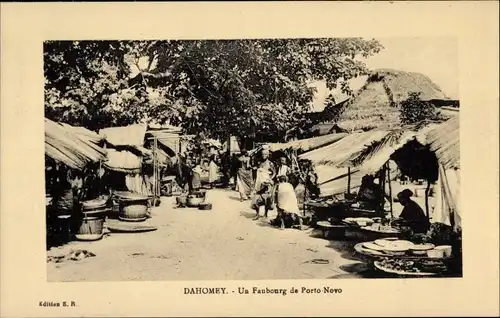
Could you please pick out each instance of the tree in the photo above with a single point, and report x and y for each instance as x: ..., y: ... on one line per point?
x: 415, y: 111
x: 256, y: 89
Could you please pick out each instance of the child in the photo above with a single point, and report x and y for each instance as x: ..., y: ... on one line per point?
x: 263, y: 198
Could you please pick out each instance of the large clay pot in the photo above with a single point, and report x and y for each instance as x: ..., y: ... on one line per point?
x: 133, y: 207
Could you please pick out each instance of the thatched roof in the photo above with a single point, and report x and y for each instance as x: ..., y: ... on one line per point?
x: 444, y: 140
x: 338, y: 153
x: 375, y: 105
x: 307, y: 144
x: 65, y: 145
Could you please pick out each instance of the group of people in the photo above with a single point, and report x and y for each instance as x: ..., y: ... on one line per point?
x: 268, y: 186
x: 192, y: 168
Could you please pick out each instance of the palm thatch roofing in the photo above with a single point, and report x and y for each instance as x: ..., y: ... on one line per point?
x: 444, y: 140
x: 376, y: 104
x: 83, y: 132
x: 337, y: 154
x: 64, y: 145
x: 308, y: 144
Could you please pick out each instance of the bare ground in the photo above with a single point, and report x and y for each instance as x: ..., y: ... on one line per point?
x: 219, y: 244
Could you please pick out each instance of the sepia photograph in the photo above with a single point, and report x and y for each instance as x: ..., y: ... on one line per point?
x: 273, y: 158
x: 252, y: 159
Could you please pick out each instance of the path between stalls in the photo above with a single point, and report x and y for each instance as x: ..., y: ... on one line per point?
x: 191, y: 244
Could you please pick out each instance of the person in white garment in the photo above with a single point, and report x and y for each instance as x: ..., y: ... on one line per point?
x: 283, y: 168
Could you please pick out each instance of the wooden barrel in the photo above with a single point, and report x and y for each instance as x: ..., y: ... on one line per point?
x: 90, y: 226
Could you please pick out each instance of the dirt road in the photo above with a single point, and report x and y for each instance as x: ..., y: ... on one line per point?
x: 190, y: 244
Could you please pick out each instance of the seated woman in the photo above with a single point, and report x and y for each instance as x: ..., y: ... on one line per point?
x: 370, y: 195
x: 412, y: 215
x: 287, y: 205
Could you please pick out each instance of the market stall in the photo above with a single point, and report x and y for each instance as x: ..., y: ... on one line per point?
x: 338, y: 177
x: 72, y: 155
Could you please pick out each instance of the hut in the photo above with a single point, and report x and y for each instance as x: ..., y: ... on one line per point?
x: 376, y: 104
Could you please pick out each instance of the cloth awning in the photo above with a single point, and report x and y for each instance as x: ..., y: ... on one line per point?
x: 123, y: 161
x: 333, y: 181
x: 132, y: 135
x: 167, y: 139
x: 63, y: 145
x: 448, y: 198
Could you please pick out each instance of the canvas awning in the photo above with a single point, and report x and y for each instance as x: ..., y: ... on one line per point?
x: 132, y: 135
x: 123, y: 161
x: 448, y: 198
x: 167, y: 139
x: 63, y: 145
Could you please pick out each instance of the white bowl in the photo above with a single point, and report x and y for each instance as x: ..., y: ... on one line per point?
x: 435, y: 253
x: 446, y: 250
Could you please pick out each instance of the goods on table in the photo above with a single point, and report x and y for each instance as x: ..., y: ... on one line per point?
x: 391, y: 247
x: 359, y: 221
x: 373, y: 246
x: 410, y: 267
x: 377, y: 227
x: 421, y: 249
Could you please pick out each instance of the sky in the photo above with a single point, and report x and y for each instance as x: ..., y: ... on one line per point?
x: 435, y: 57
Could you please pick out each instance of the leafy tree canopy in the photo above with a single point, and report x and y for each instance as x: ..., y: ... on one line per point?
x: 256, y: 89
x: 415, y: 111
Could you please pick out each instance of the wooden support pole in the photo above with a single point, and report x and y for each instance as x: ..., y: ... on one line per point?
x: 390, y: 189
x: 348, y: 180
x: 427, y: 199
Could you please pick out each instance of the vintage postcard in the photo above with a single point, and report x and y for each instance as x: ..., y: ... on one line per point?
x: 250, y: 159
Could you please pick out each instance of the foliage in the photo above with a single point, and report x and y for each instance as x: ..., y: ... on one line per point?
x: 257, y: 89
x: 414, y: 110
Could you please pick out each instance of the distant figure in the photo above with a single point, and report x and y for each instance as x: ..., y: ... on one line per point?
x: 370, y: 195
x: 196, y: 177
x: 244, y: 178
x: 213, y: 171
x: 412, y: 215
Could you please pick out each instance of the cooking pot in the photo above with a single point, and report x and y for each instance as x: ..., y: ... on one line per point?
x: 194, y: 201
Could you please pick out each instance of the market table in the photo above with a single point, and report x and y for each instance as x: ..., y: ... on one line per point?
x: 377, y: 257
